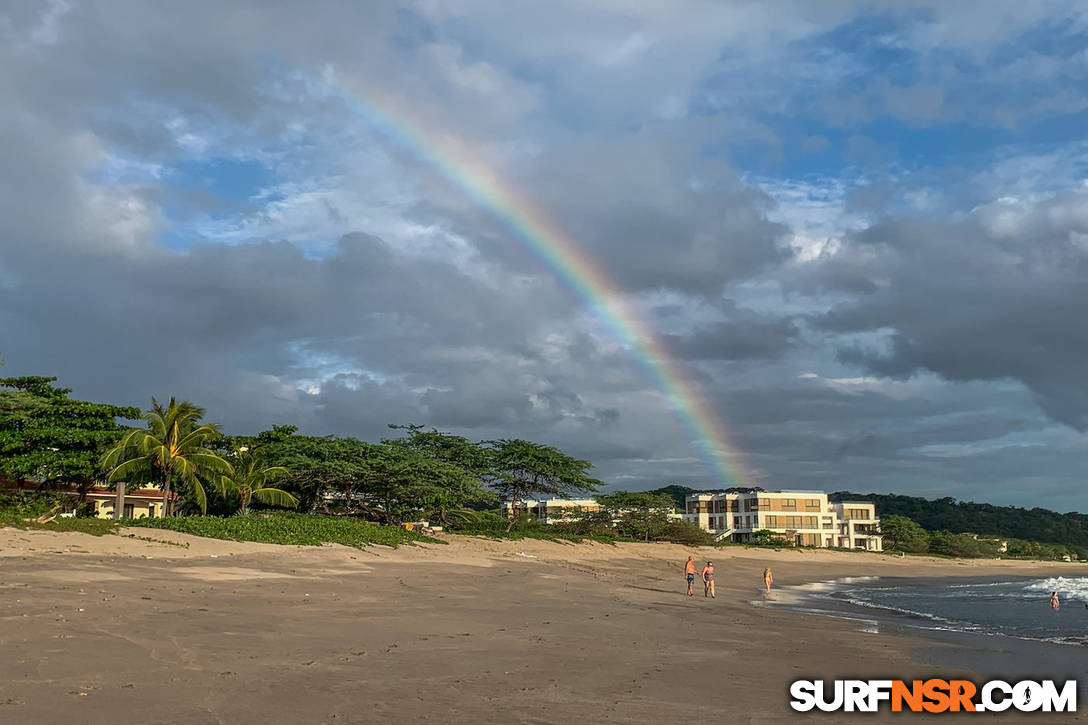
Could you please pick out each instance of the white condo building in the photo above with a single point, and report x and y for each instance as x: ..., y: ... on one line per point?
x: 805, y: 517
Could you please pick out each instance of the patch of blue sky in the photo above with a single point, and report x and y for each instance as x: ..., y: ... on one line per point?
x: 869, y: 41
x: 813, y: 149
x: 228, y: 179
x: 193, y: 192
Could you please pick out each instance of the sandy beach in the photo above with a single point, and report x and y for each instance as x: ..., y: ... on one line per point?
x: 189, y: 630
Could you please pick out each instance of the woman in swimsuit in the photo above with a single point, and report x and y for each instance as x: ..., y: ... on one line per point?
x: 708, y: 580
x: 768, y: 578
x: 1054, y: 603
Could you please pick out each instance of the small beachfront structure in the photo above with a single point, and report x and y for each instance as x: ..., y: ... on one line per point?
x: 806, y: 518
x: 139, y: 503
x: 554, y: 510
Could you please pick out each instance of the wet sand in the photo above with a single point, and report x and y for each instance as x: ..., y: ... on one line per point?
x: 119, y: 630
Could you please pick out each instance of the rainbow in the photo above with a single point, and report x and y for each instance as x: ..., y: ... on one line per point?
x: 466, y: 172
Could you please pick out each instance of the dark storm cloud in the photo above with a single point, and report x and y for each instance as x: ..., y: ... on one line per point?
x: 1000, y: 294
x: 744, y: 335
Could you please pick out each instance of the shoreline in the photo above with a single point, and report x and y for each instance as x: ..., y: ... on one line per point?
x: 476, y: 630
x: 988, y: 653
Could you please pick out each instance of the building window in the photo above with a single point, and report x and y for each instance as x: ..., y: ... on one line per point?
x: 862, y: 514
x: 812, y: 504
x: 736, y: 522
x: 772, y: 522
x: 130, y: 510
x: 764, y: 502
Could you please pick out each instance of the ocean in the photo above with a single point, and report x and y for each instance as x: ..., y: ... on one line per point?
x: 1016, y: 608
x: 1001, y: 627
x: 1012, y: 608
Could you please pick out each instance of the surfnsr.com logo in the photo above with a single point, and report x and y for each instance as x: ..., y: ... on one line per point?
x: 933, y: 695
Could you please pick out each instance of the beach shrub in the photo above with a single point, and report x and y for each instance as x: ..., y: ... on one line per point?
x: 766, y: 537
x: 288, y: 528
x: 18, y: 509
x: 678, y: 531
x: 16, y: 504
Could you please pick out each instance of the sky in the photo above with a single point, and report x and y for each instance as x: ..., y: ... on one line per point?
x: 857, y: 232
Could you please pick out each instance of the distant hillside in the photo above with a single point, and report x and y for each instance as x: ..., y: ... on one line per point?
x: 947, y: 513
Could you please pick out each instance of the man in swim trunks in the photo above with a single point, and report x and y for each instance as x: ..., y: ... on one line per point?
x: 708, y: 580
x: 689, y: 573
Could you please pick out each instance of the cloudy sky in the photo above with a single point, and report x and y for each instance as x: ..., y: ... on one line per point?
x: 859, y: 229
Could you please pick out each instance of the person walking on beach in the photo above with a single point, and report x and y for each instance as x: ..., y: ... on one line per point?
x: 1054, y: 603
x: 708, y: 580
x: 689, y: 573
x: 768, y: 578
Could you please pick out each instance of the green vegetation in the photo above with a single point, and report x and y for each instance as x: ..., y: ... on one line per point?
x: 251, y: 480
x: 520, y: 469
x: 171, y: 449
x: 38, y: 510
x: 47, y: 437
x: 288, y: 528
x: 902, y: 534
x: 641, y: 515
x: 1048, y: 533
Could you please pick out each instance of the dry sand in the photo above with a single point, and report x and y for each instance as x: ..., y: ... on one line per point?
x: 122, y: 630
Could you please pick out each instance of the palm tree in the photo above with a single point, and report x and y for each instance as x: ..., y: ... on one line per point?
x: 172, y: 447
x: 250, y: 480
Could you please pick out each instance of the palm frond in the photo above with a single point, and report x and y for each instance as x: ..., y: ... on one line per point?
x: 129, y: 467
x: 275, y: 497
x: 198, y: 494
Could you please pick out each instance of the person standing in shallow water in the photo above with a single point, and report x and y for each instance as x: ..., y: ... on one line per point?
x: 1054, y: 603
x: 768, y: 578
x: 689, y: 573
x: 708, y: 580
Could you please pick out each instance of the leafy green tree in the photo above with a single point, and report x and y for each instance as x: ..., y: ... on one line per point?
x: 902, y: 534
x: 949, y: 544
x: 47, y: 437
x: 641, y: 514
x: 173, y: 448
x: 464, y: 466
x: 520, y: 469
x: 251, y: 480
x: 387, y: 482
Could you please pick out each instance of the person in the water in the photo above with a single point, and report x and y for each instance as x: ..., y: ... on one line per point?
x: 1054, y: 603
